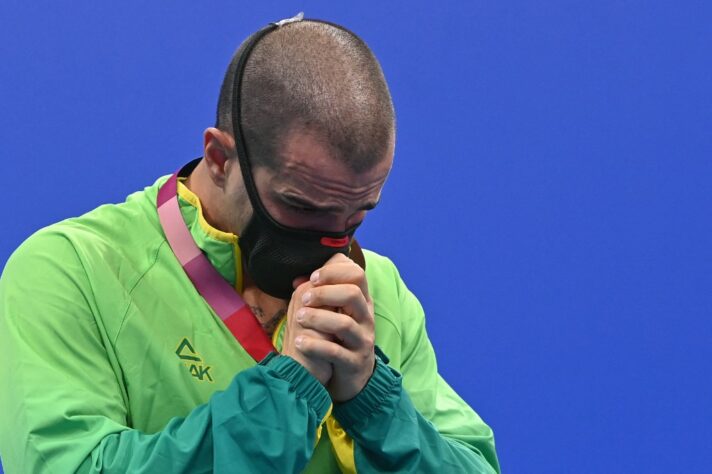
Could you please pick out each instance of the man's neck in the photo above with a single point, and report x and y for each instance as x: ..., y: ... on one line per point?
x: 201, y: 185
x: 268, y: 310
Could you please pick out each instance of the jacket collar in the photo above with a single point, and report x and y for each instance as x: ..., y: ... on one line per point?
x: 221, y: 248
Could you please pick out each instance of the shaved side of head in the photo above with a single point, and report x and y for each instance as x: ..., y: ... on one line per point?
x: 316, y: 77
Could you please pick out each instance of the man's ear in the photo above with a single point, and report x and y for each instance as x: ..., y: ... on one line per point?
x: 216, y: 151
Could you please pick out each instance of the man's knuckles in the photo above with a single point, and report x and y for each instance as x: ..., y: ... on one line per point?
x: 314, y: 347
x: 345, y: 272
x: 333, y: 295
x: 337, y: 258
x: 341, y: 326
x: 301, y: 289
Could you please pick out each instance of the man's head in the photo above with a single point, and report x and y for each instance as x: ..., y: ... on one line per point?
x: 318, y: 126
x: 316, y: 76
x: 303, y: 145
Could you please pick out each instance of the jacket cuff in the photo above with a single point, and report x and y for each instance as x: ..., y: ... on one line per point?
x: 302, y: 382
x: 381, y: 391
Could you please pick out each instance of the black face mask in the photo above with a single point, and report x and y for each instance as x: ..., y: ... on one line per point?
x: 274, y: 254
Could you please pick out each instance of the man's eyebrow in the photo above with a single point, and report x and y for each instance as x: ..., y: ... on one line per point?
x: 303, y: 202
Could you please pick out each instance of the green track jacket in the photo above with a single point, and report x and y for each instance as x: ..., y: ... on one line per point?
x: 114, y: 363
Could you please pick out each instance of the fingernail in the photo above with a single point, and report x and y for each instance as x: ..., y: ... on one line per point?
x: 306, y: 298
x: 315, y: 277
x: 300, y: 315
x: 298, y: 341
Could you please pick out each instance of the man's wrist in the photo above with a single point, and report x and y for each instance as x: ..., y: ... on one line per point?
x: 379, y: 394
x: 305, y: 385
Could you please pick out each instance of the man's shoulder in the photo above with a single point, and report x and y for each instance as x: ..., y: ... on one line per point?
x: 380, y: 268
x: 385, y: 284
x: 110, y: 231
x: 398, y: 313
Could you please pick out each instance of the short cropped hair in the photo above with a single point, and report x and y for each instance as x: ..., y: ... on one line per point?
x: 318, y: 77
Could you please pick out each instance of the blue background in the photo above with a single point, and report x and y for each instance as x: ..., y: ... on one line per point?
x: 550, y: 202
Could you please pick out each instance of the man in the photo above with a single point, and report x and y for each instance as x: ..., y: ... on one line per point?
x: 129, y: 346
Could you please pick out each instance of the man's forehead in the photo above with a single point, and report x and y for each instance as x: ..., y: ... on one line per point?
x: 313, y: 179
x: 305, y: 159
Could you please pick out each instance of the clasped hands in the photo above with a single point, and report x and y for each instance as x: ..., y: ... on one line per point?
x: 330, y: 327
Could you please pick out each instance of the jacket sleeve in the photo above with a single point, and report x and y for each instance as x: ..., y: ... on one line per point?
x: 414, y: 421
x: 61, y: 403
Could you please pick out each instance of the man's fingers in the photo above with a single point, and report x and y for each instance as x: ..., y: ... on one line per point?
x: 338, y: 258
x: 341, y: 272
x: 327, y: 350
x: 346, y: 296
x: 343, y: 327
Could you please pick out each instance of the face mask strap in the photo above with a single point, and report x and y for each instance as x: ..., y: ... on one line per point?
x: 241, y: 147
